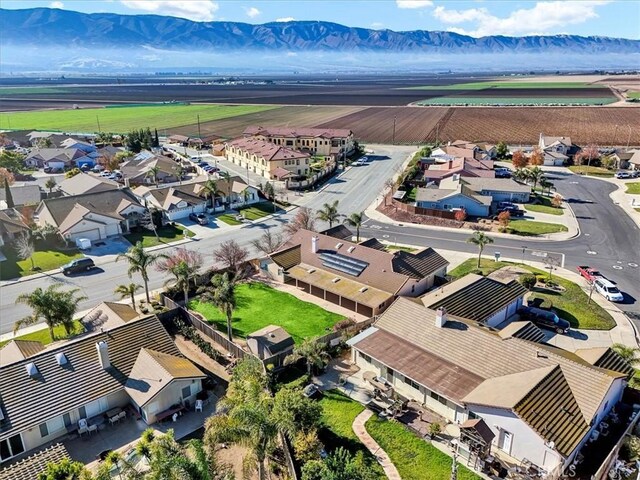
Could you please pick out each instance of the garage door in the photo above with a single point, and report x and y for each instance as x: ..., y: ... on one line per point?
x: 304, y: 286
x: 364, y: 310
x: 318, y: 292
x: 333, y: 298
x: 349, y: 304
x: 93, y: 234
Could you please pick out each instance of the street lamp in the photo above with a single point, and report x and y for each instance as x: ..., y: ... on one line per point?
x: 524, y: 248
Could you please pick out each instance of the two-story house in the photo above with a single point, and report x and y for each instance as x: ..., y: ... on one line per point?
x: 331, y: 143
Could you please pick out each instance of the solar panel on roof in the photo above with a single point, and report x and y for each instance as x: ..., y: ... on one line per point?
x: 342, y: 263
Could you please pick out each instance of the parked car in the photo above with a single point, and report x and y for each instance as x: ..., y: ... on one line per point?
x: 199, y: 218
x: 608, y: 290
x: 590, y: 274
x: 106, y: 173
x: 78, y: 265
x: 545, y: 319
x: 635, y: 174
x: 623, y: 175
x: 513, y: 210
x: 502, y: 172
x: 97, y: 168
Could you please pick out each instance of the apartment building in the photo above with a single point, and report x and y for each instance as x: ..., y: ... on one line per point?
x: 324, y: 142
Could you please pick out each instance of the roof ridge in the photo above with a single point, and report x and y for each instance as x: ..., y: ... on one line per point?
x: 155, y: 360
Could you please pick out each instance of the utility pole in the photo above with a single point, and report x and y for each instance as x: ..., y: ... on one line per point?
x: 393, y: 141
x: 98, y: 120
x: 199, y: 136
x: 629, y: 137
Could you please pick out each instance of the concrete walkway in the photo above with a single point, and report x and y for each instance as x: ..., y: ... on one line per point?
x: 383, y: 459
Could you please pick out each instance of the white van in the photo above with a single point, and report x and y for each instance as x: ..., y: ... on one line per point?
x: 608, y: 290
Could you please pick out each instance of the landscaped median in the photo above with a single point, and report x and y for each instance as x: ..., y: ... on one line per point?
x: 259, y: 305
x: 572, y: 303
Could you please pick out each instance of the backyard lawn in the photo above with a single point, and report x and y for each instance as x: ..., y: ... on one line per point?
x: 545, y: 206
x: 43, y: 336
x: 166, y: 234
x: 414, y: 458
x: 43, y: 260
x: 595, y: 171
x: 571, y: 304
x: 338, y: 414
x: 531, y: 228
x: 633, y: 188
x: 260, y: 305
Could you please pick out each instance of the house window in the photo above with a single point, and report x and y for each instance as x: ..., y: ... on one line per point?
x: 82, y: 412
x: 365, y: 357
x: 389, y: 372
x: 66, y: 418
x: 44, y: 431
x: 186, y: 392
x: 411, y: 383
x: 10, y: 447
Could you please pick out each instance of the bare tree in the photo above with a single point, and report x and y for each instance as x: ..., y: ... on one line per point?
x: 268, y: 243
x: 551, y: 263
x: 232, y: 255
x: 146, y: 221
x: 304, y: 219
x: 25, y: 248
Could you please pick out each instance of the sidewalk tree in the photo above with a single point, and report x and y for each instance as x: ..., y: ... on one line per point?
x: 128, y: 290
x: 222, y: 294
x: 481, y: 240
x: 50, y: 184
x: 139, y: 262
x: 302, y: 220
x: 268, y: 242
x: 355, y: 220
x: 556, y: 201
x: 519, y: 159
x: 329, y: 213
x: 232, y: 256
x: 504, y: 218
x: 537, y: 157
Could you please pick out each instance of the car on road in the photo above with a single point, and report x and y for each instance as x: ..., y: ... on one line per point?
x: 502, y: 172
x: 78, y: 265
x: 590, y: 274
x: 608, y: 290
x: 545, y: 319
x: 199, y: 218
x: 623, y: 175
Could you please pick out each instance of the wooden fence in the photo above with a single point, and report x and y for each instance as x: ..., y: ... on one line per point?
x: 413, y: 210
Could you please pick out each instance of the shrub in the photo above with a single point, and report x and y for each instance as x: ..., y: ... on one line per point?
x: 504, y: 218
x: 72, y: 173
x: 528, y: 280
x: 461, y: 215
x: 434, y: 429
x: 190, y: 333
x: 344, y: 324
x: 556, y: 201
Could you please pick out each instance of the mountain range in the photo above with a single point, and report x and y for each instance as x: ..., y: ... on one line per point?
x: 64, y: 29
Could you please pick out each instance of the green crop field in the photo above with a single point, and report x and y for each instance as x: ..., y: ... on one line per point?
x: 517, y: 101
x: 122, y: 120
x: 6, y: 91
x: 633, y: 94
x: 501, y: 84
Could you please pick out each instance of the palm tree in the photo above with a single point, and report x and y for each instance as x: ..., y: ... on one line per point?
x: 535, y: 174
x: 312, y: 351
x: 546, y: 185
x: 179, y: 172
x: 139, y: 262
x: 329, y: 213
x: 222, y: 294
x: 246, y: 194
x: 631, y: 355
x: 355, y: 220
x: 480, y: 239
x: 128, y: 290
x: 210, y: 189
x: 53, y: 306
x: 183, y: 273
x: 153, y: 173
x: 50, y: 184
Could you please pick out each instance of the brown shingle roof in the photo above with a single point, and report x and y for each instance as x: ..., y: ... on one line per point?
x: 287, y: 258
x: 29, y: 468
x: 274, y: 339
x: 297, y: 132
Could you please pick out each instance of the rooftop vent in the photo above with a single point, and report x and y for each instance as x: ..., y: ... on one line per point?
x: 363, y: 289
x: 540, y: 354
x: 103, y: 354
x: 339, y: 245
x: 335, y: 280
x: 351, y: 249
x: 32, y: 370
x: 311, y: 270
x: 61, y: 358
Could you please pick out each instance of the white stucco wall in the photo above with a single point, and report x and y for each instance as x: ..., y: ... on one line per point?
x: 171, y: 395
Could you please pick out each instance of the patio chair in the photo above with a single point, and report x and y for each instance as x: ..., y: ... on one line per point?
x: 92, y: 428
x: 114, y: 420
x: 82, y: 423
x: 199, y: 405
x: 122, y: 415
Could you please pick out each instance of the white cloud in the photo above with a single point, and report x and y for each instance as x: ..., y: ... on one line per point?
x: 252, y: 12
x: 56, y: 5
x: 413, y: 3
x: 544, y: 17
x: 377, y: 25
x: 198, y: 10
x: 285, y: 19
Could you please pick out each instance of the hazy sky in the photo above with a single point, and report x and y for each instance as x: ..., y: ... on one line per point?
x: 619, y: 18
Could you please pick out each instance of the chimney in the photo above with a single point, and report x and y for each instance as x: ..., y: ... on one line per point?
x: 441, y: 317
x: 103, y: 354
x: 314, y: 244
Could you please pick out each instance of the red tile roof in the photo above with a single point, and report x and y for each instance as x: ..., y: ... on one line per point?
x: 267, y: 150
x: 297, y: 132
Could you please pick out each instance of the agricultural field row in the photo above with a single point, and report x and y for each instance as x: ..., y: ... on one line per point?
x: 524, y: 101
x: 506, y: 84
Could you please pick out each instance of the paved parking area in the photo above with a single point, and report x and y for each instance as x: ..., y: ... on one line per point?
x: 103, y: 251
x: 202, y: 231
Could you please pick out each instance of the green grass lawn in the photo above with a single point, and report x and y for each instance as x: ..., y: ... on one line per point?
x: 545, y: 206
x: 6, y: 91
x: 258, y: 210
x: 260, y: 305
x: 531, y: 228
x: 415, y: 459
x: 637, y: 210
x: 572, y: 304
x: 505, y: 84
x: 229, y: 219
x: 44, y: 260
x: 633, y: 188
x: 497, y: 100
x: 166, y: 234
x: 122, y: 120
x: 394, y: 248
x: 633, y: 94
x: 588, y: 170
x: 338, y: 414
x: 44, y: 337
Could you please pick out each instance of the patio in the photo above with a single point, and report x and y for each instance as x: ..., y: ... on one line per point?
x: 122, y: 436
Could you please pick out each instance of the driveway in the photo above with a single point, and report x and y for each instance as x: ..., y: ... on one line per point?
x: 104, y: 251
x: 202, y: 231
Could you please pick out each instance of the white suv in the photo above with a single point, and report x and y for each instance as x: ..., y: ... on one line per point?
x: 608, y: 290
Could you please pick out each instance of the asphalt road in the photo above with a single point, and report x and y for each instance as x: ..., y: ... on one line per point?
x: 355, y: 189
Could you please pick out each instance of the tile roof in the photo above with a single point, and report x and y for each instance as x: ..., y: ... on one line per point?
x: 153, y: 371
x: 30, y: 467
x: 297, y: 132
x: 85, y: 183
x: 267, y: 150
x: 29, y: 401
x: 275, y: 339
x: 25, y: 194
x: 17, y: 350
x: 339, y: 231
x: 607, y: 358
x: 474, y: 297
x: 523, y: 330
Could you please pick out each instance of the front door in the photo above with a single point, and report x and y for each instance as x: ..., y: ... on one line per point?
x: 505, y: 441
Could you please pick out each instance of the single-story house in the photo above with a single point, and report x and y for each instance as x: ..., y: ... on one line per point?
x: 457, y: 198
x: 53, y: 157
x: 17, y: 350
x: 475, y: 297
x: 135, y: 366
x: 12, y: 224
x: 498, y: 189
x: 632, y: 159
x: 269, y: 341
x: 540, y: 402
x: 85, y: 183
x: 360, y: 277
x: 95, y: 216
x: 22, y: 194
x: 107, y: 315
x: 137, y: 170
x: 175, y: 202
x: 553, y: 158
x: 70, y: 142
x: 31, y: 467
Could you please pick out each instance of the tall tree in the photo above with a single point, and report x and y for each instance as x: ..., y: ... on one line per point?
x: 139, y: 262
x: 8, y: 196
x: 302, y: 220
x: 25, y: 248
x: 222, y: 294
x: 519, y: 159
x: 329, y: 213
x: 537, y: 157
x: 268, y: 242
x: 53, y: 306
x: 210, y: 190
x: 12, y: 161
x: 153, y: 173
x: 313, y: 352
x: 50, y: 184
x: 481, y: 240
x: 355, y: 220
x: 184, y: 265
x: 156, y: 139
x: 232, y: 255
x: 535, y: 174
x: 269, y: 192
x: 502, y: 150
x: 128, y: 290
